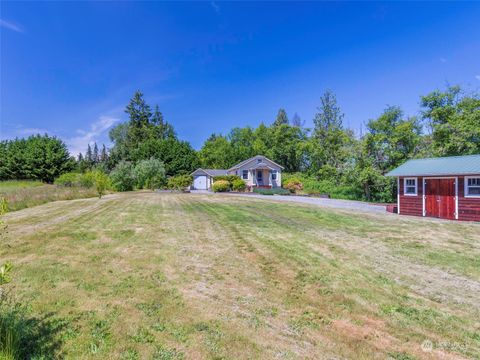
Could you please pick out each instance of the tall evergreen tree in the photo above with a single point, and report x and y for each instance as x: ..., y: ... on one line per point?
x: 89, y: 155
x: 328, y: 145
x: 329, y: 116
x: 282, y: 118
x: 138, y: 110
x: 297, y: 121
x: 36, y: 158
x: 157, y: 118
x: 103, y: 154
x: 95, y: 156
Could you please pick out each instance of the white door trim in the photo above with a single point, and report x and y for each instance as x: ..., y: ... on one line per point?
x: 440, y: 178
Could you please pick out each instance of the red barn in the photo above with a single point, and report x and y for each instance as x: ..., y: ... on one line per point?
x: 447, y: 188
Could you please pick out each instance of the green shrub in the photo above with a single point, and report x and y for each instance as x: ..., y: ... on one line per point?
x: 229, y: 178
x: 101, y: 182
x: 275, y: 191
x: 337, y: 188
x: 179, y: 182
x: 123, y: 176
x: 328, y: 187
x: 73, y: 179
x: 150, y: 174
x: 293, y: 184
x: 239, y: 185
x: 221, y: 186
x: 68, y: 179
x: 87, y: 180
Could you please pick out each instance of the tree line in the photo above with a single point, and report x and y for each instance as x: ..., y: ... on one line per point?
x: 448, y: 123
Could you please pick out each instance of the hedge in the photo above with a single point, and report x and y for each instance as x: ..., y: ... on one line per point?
x: 275, y: 191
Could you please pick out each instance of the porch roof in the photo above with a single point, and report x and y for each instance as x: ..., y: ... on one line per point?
x: 261, y: 165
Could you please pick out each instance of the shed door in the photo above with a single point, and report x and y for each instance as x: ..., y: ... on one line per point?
x: 200, y: 182
x: 440, y: 198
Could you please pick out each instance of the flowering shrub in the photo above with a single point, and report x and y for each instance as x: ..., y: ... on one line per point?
x: 221, y: 186
x: 293, y: 185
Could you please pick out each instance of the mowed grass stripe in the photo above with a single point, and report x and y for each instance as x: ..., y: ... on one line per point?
x: 356, y: 282
x: 147, y: 275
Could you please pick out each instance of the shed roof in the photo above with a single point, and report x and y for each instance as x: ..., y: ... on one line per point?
x: 452, y: 165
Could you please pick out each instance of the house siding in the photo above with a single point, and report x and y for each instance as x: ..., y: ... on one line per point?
x: 411, y: 205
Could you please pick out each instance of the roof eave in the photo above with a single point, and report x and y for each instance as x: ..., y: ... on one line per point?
x: 427, y: 175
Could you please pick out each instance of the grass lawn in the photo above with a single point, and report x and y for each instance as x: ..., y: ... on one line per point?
x: 184, y: 276
x: 21, y: 194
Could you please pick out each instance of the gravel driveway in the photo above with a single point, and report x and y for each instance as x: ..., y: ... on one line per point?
x: 333, y: 203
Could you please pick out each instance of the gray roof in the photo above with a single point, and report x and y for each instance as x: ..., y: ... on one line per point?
x: 261, y: 165
x: 216, y: 172
x: 210, y: 172
x: 453, y: 165
x: 252, y: 158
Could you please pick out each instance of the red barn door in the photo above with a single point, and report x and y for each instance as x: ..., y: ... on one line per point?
x: 440, y: 198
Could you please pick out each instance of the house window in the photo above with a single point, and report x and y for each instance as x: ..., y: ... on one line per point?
x: 245, y: 174
x: 274, y: 174
x: 472, y: 186
x: 410, y: 186
x: 259, y: 161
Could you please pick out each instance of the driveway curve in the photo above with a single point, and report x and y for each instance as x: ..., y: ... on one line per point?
x: 332, y: 203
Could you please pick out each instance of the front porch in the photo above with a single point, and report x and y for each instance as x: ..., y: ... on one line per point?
x: 263, y: 176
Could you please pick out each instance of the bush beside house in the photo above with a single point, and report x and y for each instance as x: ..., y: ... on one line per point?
x: 221, y: 186
x: 179, y: 182
x: 233, y: 182
x: 239, y: 185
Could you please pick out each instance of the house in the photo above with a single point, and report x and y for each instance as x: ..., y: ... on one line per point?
x: 446, y: 187
x: 257, y: 171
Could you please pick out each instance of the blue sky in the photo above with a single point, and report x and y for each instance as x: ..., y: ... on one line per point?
x: 69, y: 68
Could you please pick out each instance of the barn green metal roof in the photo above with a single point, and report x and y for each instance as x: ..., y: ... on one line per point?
x: 452, y: 165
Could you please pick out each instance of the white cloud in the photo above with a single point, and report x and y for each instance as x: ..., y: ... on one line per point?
x: 97, y: 131
x: 11, y: 26
x: 215, y: 7
x: 477, y: 77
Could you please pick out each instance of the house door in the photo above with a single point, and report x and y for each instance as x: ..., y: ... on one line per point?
x: 440, y: 198
x: 259, y: 177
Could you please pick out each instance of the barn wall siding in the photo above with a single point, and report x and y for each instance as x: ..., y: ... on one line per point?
x: 468, y: 207
x: 411, y: 205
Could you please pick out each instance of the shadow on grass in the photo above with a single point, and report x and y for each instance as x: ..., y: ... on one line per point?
x: 23, y: 336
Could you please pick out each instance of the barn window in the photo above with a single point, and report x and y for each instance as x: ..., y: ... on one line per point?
x: 472, y: 186
x: 245, y: 174
x: 410, y: 187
